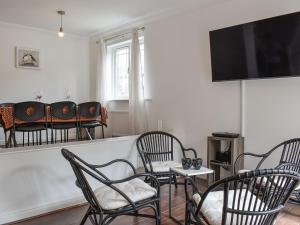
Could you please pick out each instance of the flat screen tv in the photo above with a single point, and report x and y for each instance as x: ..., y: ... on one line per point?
x: 262, y: 49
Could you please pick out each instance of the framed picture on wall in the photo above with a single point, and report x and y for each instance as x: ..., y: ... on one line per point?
x: 27, y: 58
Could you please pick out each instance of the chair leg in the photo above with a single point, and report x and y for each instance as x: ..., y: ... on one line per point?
x: 23, y: 138
x: 5, y: 141
x: 80, y: 132
x: 61, y: 136
x: 187, y: 216
x: 52, y: 138
x: 47, y: 141
x: 85, y: 217
x: 102, y: 131
x: 41, y: 136
x: 27, y: 138
x: 10, y: 139
x: 158, y: 216
x: 37, y: 137
x: 175, y: 181
x: 32, y: 133
x: 13, y: 137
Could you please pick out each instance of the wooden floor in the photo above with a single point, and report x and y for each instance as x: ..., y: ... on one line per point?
x: 289, y: 216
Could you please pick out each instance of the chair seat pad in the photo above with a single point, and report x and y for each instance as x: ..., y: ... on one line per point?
x: 30, y: 127
x: 163, y: 166
x: 91, y: 124
x: 136, y: 189
x: 213, y: 205
x: 63, y: 125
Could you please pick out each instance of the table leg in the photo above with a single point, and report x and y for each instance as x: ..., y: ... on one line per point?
x: 170, y: 203
x: 170, y: 206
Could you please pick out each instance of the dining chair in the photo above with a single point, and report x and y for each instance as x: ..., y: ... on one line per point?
x: 250, y: 198
x: 7, y: 138
x: 88, y: 115
x: 114, y: 198
x: 30, y: 117
x: 157, y: 149
x: 288, y: 152
x: 63, y: 117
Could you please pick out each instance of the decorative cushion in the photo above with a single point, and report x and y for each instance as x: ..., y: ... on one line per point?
x: 213, y: 205
x: 163, y: 166
x: 135, y: 189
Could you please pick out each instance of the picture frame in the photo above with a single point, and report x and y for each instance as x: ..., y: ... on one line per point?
x: 27, y: 58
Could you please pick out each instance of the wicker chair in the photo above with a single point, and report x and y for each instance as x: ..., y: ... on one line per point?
x: 115, y: 197
x: 289, y: 152
x: 156, y: 149
x: 238, y: 200
x: 30, y: 117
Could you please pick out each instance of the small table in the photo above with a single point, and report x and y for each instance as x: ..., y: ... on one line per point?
x: 186, y: 173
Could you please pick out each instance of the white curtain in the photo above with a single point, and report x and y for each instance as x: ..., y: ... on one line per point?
x: 137, y: 111
x: 102, y: 80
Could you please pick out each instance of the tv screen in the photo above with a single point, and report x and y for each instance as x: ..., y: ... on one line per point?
x: 262, y: 49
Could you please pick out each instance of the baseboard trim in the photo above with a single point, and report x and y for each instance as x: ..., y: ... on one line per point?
x: 25, y: 214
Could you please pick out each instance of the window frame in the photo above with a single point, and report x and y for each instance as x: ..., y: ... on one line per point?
x: 114, y: 68
x: 113, y: 48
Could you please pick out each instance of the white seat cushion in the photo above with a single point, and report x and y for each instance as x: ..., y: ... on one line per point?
x: 243, y: 171
x: 135, y: 189
x: 213, y: 205
x: 163, y: 166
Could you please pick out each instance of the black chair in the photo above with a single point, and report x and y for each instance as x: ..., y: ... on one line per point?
x: 88, y: 116
x: 5, y: 129
x: 251, y: 198
x: 116, y: 197
x: 63, y: 116
x: 156, y: 149
x: 30, y: 117
x: 287, y: 151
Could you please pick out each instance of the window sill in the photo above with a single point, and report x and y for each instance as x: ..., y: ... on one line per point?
x: 119, y: 99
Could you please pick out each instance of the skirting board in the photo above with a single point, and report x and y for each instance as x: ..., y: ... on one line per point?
x: 39, y: 210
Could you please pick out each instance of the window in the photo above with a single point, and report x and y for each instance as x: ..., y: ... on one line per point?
x: 121, y: 72
x: 118, y: 56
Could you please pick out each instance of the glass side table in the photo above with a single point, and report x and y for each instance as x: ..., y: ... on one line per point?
x: 178, y: 170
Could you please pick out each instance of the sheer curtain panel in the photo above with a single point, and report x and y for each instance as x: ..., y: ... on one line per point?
x: 137, y: 112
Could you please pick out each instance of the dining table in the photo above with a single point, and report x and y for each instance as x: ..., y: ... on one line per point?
x: 7, y: 119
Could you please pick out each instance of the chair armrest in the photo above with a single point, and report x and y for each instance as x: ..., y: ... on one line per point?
x: 190, y: 149
x: 288, y: 166
x: 247, y: 154
x: 115, y: 161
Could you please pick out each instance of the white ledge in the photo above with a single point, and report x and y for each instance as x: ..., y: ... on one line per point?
x: 48, y: 147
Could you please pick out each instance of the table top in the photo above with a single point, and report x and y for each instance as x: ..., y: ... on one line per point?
x: 191, y: 172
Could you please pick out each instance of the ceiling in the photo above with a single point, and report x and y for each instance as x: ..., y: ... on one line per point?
x: 86, y: 17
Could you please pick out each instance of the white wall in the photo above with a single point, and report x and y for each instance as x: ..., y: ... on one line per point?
x: 191, y: 106
x: 64, y: 66
x: 39, y: 180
